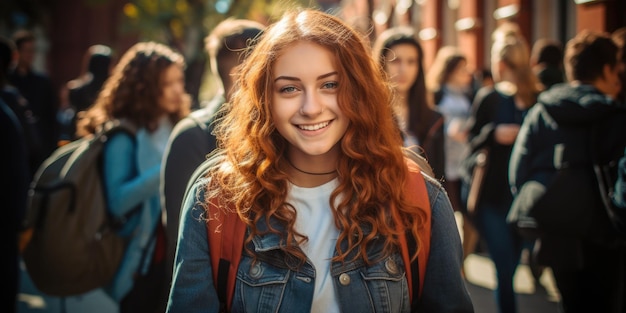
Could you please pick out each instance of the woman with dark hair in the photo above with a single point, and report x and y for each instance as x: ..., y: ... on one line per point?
x: 84, y: 89
x: 546, y: 60
x: 310, y: 160
x: 401, y: 57
x: 146, y: 89
x: 80, y: 93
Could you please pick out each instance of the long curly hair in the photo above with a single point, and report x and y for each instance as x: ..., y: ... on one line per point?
x: 371, y: 168
x: 133, y: 89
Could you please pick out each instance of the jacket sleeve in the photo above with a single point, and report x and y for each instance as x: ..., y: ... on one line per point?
x: 126, y: 187
x: 518, y: 163
x: 532, y: 155
x: 444, y: 287
x: 192, y: 288
x: 482, y: 125
x: 187, y: 148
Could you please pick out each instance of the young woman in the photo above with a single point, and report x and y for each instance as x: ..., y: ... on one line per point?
x: 498, y: 113
x: 450, y: 81
x: 146, y: 88
x: 311, y: 160
x: 401, y: 56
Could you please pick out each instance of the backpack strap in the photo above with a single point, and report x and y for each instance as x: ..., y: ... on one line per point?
x: 415, y: 189
x: 225, y: 250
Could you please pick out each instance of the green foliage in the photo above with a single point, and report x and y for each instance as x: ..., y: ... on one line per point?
x: 184, y: 23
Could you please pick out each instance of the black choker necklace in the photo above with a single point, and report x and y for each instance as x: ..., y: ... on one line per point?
x: 309, y: 173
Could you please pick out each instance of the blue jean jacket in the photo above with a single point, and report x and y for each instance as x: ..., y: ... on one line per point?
x: 271, y: 286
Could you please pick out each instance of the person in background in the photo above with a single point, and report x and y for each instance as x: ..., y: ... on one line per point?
x: 15, y: 175
x: 192, y: 139
x: 481, y: 78
x: 14, y: 182
x: 147, y: 89
x: 401, y: 56
x: 546, y: 60
x: 317, y: 177
x: 82, y: 91
x: 449, y: 79
x: 21, y: 109
x: 497, y: 114
x: 37, y: 88
x: 588, y: 271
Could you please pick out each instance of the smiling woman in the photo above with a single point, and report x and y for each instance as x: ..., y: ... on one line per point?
x: 311, y: 162
x: 306, y: 111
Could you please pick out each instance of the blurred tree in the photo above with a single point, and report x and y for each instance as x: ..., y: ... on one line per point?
x: 183, y: 24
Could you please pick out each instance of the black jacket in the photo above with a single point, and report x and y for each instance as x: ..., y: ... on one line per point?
x: 491, y: 108
x: 569, y: 126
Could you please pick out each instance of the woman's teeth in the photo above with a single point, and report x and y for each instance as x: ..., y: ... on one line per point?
x: 314, y: 127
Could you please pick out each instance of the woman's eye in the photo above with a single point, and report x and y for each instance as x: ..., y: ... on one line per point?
x: 288, y: 89
x: 330, y: 85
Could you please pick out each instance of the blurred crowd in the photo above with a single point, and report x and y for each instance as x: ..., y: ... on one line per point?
x: 447, y: 112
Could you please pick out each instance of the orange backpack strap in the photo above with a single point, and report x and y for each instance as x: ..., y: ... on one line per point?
x: 415, y: 189
x: 225, y: 250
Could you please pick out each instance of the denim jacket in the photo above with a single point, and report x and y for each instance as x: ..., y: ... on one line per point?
x: 270, y: 286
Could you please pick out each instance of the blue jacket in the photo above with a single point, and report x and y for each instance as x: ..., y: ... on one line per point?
x: 271, y: 287
x: 132, y: 175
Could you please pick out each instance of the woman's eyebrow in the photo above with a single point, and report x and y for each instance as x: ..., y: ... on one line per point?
x: 298, y: 79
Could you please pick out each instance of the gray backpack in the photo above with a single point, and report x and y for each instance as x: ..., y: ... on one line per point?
x: 74, y: 247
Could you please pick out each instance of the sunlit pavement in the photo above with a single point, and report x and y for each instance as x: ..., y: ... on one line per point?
x: 480, y: 278
x: 31, y: 300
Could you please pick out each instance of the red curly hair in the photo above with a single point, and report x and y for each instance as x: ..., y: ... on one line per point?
x: 371, y: 168
x: 133, y: 89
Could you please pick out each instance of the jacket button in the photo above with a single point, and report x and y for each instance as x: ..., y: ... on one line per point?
x: 391, y: 266
x: 344, y: 279
x: 256, y: 271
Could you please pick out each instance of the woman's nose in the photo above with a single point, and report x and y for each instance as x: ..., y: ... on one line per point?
x: 312, y: 104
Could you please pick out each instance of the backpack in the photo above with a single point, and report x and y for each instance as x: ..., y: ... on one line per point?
x: 73, y: 246
x: 611, y: 179
x: 226, y: 250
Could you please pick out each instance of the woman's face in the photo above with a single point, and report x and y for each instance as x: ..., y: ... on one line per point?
x: 402, y: 66
x: 172, y: 85
x: 304, y: 103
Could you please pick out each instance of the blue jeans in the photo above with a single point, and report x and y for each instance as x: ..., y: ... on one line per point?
x: 504, y: 246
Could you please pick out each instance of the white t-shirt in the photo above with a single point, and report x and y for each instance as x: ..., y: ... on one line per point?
x: 456, y: 109
x: 315, y: 220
